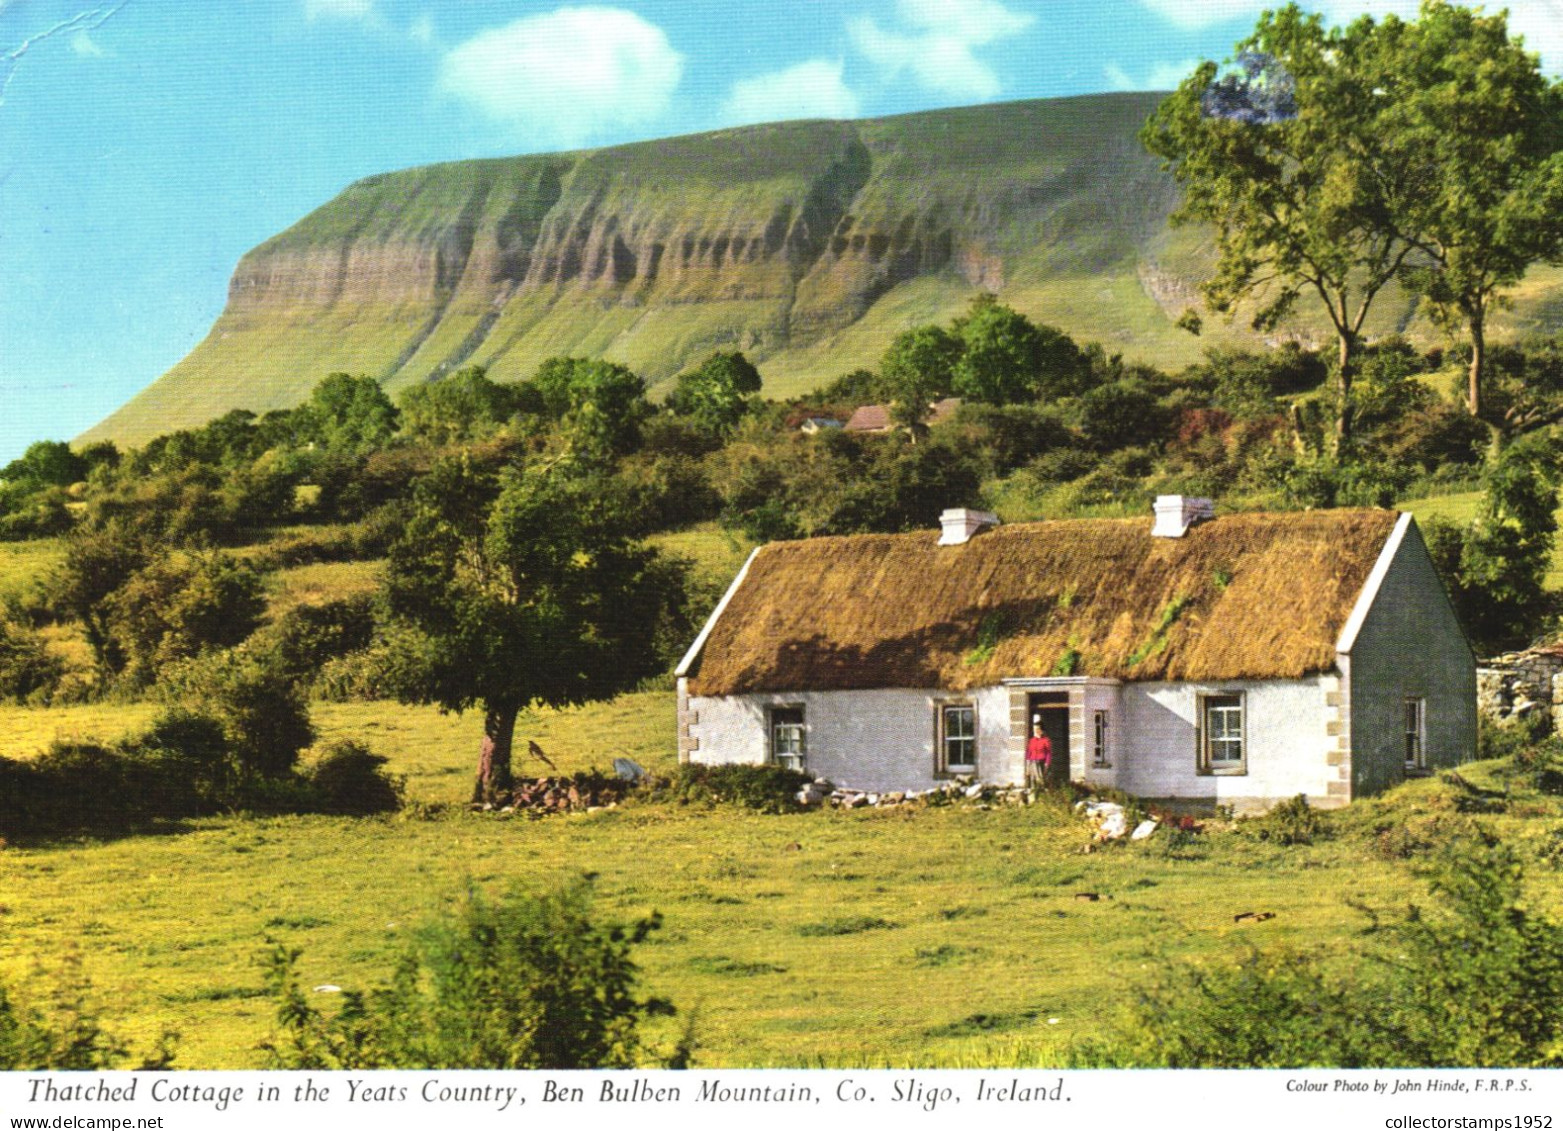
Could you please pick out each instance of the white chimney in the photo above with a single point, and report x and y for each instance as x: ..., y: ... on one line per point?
x: 1176, y: 513
x: 960, y: 524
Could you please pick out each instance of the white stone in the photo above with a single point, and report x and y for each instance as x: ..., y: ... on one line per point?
x: 1143, y: 831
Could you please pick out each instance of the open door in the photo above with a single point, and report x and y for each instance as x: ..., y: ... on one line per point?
x: 1051, y: 709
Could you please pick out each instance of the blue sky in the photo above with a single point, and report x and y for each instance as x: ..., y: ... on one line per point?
x: 145, y: 145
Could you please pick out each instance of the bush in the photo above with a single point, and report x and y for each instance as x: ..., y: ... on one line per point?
x: 525, y: 982
x: 1471, y: 981
x: 27, y: 669
x: 1293, y: 821
x: 348, y: 780
x: 65, y: 1034
x: 306, y: 637
x: 765, y: 788
x: 262, y: 709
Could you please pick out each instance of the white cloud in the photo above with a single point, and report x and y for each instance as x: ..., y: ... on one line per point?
x: 422, y: 30
x: 565, y: 76
x: 1161, y: 76
x: 1539, y: 21
x: 937, y: 41
x: 338, y: 9
x: 83, y: 44
x: 813, y: 89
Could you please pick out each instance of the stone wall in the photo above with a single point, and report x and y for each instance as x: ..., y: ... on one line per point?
x: 1518, y: 685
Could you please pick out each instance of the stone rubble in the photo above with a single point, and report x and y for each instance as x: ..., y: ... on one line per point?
x: 1518, y: 685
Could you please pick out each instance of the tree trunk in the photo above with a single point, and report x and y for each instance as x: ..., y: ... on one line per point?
x: 1473, y: 390
x: 499, y: 729
x: 1343, y: 388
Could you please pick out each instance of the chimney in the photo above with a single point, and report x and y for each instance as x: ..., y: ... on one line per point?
x: 960, y: 524
x: 1176, y: 513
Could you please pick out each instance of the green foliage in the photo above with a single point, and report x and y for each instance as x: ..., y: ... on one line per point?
x: 525, y: 982
x: 64, y: 1032
x: 1248, y: 384
x: 1006, y: 358
x: 845, y: 925
x: 1293, y: 821
x: 1472, y: 980
x: 763, y: 788
x: 522, y: 589
x: 716, y: 393
x: 1122, y: 413
x: 346, y: 412
x: 174, y: 609
x: 261, y: 708
x: 917, y: 369
x: 602, y: 405
x: 348, y: 779
x: 1494, y: 569
x: 1467, y: 113
x: 307, y: 637
x: 464, y: 406
x: 28, y: 670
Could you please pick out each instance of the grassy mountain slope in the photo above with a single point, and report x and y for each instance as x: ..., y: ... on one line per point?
x: 806, y: 244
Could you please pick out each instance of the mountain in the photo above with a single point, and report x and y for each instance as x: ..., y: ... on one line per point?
x: 805, y: 244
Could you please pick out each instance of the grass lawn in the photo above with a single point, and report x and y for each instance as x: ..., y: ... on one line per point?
x: 952, y: 936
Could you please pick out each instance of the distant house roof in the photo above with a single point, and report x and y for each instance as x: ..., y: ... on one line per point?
x: 876, y: 417
x: 870, y: 418
x: 1247, y: 596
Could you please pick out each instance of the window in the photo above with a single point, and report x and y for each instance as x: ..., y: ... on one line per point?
x: 1099, y: 746
x: 1416, y: 733
x: 787, y: 747
x: 1221, y: 734
x: 958, y: 738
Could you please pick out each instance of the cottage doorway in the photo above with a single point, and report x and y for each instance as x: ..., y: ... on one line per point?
x: 1051, y: 709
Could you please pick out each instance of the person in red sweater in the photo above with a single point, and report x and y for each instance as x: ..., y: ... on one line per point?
x: 1039, y: 756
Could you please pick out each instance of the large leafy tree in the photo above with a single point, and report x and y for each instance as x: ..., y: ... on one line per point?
x: 1283, y: 158
x: 918, y: 369
x: 1006, y: 358
x: 1466, y: 113
x: 716, y: 395
x: 517, y: 590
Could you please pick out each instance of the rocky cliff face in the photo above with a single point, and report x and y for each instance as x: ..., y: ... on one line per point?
x: 806, y: 244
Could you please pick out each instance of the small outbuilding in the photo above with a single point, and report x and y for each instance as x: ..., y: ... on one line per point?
x: 1235, y: 660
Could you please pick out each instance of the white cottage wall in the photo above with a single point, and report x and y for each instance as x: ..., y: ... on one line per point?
x: 1286, y: 740
x: 872, y: 740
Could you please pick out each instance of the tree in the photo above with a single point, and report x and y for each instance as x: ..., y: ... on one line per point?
x: 1466, y: 113
x: 1283, y: 157
x: 918, y: 369
x: 716, y: 393
x: 518, y: 590
x: 1005, y: 358
x: 347, y: 412
x: 460, y: 407
x: 602, y: 405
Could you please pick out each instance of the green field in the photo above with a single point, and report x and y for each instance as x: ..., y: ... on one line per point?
x: 952, y: 936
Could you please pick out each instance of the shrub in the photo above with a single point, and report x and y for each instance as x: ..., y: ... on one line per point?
x: 27, y: 669
x: 348, y: 780
x: 1472, y: 981
x: 1293, y: 821
x: 766, y: 788
x: 306, y: 637
x: 261, y: 707
x: 523, y: 982
x: 64, y: 1034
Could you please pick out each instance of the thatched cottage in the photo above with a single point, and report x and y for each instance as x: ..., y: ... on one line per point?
x: 1234, y: 660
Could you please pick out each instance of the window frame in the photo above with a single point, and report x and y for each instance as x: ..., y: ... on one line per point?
x: 1101, y: 753
x: 942, y: 738
x: 1223, y: 701
x: 773, y: 724
x: 1415, y: 734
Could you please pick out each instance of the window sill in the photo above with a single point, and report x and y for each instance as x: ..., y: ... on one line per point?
x: 1224, y: 772
x: 1419, y: 772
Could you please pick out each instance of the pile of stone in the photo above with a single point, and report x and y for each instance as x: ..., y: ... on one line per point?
x: 1110, y: 821
x: 1518, y: 685
x: 580, y: 793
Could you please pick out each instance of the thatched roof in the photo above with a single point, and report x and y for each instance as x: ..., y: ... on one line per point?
x: 1246, y: 596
